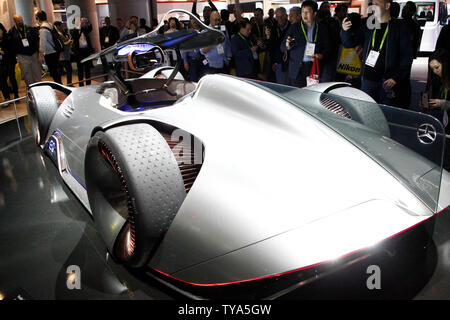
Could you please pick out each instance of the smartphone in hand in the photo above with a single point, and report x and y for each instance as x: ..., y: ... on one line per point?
x: 425, y: 104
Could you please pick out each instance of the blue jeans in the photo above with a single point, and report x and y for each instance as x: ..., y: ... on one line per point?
x: 376, y: 91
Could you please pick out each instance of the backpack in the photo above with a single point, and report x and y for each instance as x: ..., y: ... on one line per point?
x: 57, y: 45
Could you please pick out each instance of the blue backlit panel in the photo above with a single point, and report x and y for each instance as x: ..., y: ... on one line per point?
x: 139, y: 47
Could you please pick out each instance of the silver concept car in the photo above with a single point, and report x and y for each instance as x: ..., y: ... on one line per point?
x: 233, y: 187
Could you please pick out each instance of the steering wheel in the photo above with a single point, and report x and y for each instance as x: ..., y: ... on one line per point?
x: 139, y: 61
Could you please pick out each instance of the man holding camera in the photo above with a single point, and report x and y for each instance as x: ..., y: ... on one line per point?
x: 387, y: 56
x: 261, y: 35
x: 245, y: 52
x: 218, y: 56
x: 306, y: 39
x: 277, y: 36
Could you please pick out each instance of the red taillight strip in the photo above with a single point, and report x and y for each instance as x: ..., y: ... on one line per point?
x: 295, y: 270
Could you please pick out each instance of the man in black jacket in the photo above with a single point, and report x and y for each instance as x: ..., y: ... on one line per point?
x: 271, y: 21
x: 259, y: 34
x: 387, y: 56
x: 245, y: 51
x: 7, y: 66
x: 305, y: 40
x: 24, y: 42
x: 402, y: 90
x: 443, y: 42
x: 328, y: 71
x: 109, y: 34
x: 258, y: 28
x: 277, y: 35
x: 82, y: 48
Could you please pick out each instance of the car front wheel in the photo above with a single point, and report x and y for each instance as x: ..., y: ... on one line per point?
x: 135, y: 189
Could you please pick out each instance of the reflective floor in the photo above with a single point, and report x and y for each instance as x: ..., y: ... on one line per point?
x: 44, y: 230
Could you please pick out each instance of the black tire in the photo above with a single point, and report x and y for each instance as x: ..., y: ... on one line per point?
x: 367, y: 112
x: 41, y: 110
x: 132, y: 173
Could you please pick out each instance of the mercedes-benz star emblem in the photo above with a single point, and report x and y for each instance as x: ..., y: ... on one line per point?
x: 426, y: 133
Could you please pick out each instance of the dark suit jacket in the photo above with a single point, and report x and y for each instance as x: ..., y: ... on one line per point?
x: 258, y: 31
x: 243, y: 57
x: 8, y: 57
x: 16, y: 41
x: 398, y: 46
x: 78, y: 53
x: 443, y: 42
x: 323, y: 46
x: 277, y: 35
x: 111, y: 32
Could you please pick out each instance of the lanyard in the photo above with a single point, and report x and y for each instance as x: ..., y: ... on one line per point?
x: 382, y: 40
x: 304, y: 32
x: 259, y: 31
x: 251, y: 43
x: 24, y: 32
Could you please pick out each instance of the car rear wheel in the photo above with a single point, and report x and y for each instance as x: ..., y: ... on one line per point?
x: 42, y: 105
x: 135, y: 189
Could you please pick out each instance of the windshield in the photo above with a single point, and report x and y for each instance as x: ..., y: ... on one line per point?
x: 196, y: 35
x: 407, y: 144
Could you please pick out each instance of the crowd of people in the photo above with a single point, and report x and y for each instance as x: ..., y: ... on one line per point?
x: 56, y: 47
x: 282, y: 48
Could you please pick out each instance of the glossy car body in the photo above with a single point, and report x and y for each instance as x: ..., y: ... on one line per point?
x: 282, y: 183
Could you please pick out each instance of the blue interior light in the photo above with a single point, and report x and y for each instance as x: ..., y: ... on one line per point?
x: 139, y: 47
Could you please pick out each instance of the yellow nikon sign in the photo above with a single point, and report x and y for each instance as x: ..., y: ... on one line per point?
x: 349, y: 62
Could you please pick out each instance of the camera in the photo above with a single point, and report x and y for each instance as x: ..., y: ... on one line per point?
x: 355, y: 19
x: 424, y: 100
x: 292, y: 42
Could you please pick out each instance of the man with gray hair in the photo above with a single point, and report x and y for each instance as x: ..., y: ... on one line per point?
x: 295, y: 15
x: 24, y: 44
x: 218, y: 56
x: 277, y: 35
